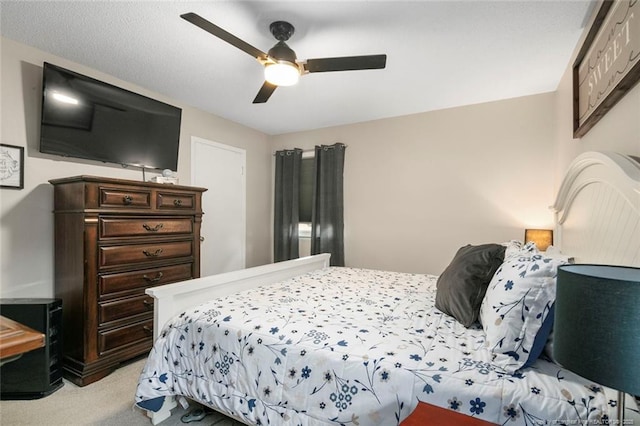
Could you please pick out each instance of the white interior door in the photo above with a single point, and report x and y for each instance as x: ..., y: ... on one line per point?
x: 221, y: 169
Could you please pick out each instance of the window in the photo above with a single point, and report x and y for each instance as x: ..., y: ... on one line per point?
x: 306, y: 189
x: 306, y: 194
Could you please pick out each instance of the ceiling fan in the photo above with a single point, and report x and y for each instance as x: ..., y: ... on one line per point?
x: 281, y: 66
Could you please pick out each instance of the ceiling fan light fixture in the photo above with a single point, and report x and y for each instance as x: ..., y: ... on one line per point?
x: 281, y: 66
x: 282, y: 73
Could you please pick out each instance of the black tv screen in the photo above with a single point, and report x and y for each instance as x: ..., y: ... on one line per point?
x: 86, y: 118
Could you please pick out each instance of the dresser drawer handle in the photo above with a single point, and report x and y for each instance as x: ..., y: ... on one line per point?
x: 127, y: 199
x: 148, y: 329
x: 157, y: 278
x: 152, y: 228
x: 177, y: 202
x: 154, y: 254
x: 148, y: 303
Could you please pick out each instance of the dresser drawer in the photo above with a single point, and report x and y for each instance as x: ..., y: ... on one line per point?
x: 134, y: 198
x: 173, y: 200
x: 127, y: 281
x: 122, y: 336
x: 137, y: 253
x: 123, y: 308
x: 113, y: 227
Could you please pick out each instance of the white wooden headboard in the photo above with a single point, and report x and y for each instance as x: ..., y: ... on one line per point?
x: 598, y: 210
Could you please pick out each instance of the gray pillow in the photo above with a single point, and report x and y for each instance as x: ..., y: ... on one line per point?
x: 463, y: 284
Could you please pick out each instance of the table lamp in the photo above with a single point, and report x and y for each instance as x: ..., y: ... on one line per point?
x: 597, y: 325
x: 542, y: 237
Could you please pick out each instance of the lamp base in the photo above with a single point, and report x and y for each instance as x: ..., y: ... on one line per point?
x: 621, y: 397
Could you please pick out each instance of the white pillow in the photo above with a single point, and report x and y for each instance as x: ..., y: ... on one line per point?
x: 517, y: 248
x: 517, y: 310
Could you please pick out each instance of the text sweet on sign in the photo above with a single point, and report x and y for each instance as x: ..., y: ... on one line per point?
x: 609, y: 63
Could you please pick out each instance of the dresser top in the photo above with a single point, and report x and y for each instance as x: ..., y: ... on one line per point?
x: 99, y: 179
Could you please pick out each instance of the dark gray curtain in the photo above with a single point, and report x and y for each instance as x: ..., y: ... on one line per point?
x: 327, y: 228
x: 287, y: 194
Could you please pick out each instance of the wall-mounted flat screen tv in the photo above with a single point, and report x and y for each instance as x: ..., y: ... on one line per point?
x: 86, y: 118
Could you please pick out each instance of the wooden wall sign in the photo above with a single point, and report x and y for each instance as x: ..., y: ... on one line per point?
x: 608, y: 64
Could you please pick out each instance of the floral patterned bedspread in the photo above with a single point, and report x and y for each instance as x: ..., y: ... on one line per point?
x: 351, y: 347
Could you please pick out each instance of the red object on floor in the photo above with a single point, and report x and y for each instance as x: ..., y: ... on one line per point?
x: 427, y: 414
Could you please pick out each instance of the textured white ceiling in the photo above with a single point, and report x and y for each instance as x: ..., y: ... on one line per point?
x: 439, y: 54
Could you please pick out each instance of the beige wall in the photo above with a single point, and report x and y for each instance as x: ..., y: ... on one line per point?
x: 26, y: 228
x: 418, y: 187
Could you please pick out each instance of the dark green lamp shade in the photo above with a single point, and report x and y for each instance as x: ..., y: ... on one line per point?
x: 597, y: 324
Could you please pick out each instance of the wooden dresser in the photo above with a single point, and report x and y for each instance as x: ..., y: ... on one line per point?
x: 113, y: 239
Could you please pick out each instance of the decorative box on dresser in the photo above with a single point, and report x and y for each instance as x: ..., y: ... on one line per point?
x: 113, y: 239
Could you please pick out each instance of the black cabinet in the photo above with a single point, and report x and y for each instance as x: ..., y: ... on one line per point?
x: 37, y: 373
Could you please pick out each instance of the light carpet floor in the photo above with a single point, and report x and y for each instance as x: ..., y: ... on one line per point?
x: 106, y: 402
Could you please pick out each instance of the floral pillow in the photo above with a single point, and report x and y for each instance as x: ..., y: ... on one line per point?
x: 517, y: 311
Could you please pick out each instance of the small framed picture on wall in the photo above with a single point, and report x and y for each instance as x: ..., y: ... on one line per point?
x: 11, y: 166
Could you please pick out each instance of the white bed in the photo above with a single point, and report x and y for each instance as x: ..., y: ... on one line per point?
x: 598, y: 221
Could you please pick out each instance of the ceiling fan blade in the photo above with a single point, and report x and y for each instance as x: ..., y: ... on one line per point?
x: 346, y: 63
x: 265, y: 92
x: 199, y: 21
